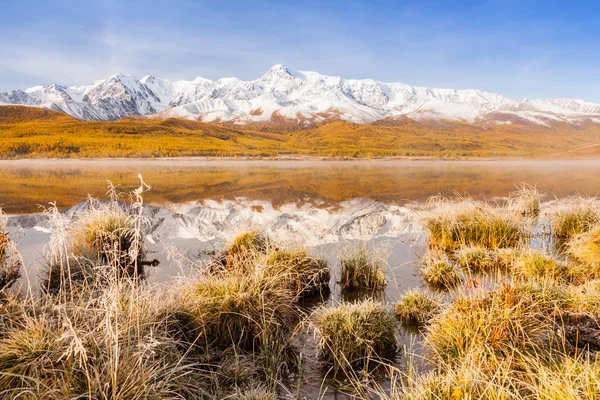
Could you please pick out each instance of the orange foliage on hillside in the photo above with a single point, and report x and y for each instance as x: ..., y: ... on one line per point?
x: 28, y: 132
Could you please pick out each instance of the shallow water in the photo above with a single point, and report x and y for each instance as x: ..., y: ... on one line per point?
x: 198, y: 205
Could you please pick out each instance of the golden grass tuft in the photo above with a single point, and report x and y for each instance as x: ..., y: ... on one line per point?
x: 505, y: 258
x: 535, y: 264
x: 258, y: 393
x: 525, y: 201
x: 473, y: 225
x: 254, y: 241
x: 105, y: 235
x: 489, y: 328
x: 253, y: 253
x: 418, y: 306
x: 307, y: 275
x: 579, y: 216
x: 475, y: 259
x: 239, y: 309
x: 10, y: 259
x: 439, y: 271
x: 242, y: 252
x: 584, y: 248
x: 362, y: 269
x: 30, y: 353
x: 354, y: 333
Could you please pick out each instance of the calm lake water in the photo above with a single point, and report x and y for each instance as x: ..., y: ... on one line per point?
x: 197, y: 196
x: 26, y: 184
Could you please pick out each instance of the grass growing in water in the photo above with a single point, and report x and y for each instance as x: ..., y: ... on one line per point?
x: 439, y: 271
x: 241, y: 309
x: 535, y: 264
x: 418, y: 306
x: 362, y: 269
x: 488, y: 328
x: 584, y: 248
x: 111, y: 234
x: 10, y: 259
x: 525, y: 201
x: 579, y: 216
x: 307, y: 275
x: 473, y: 224
x: 475, y: 258
x: 354, y: 333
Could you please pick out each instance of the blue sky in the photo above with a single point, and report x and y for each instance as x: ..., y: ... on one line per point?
x: 516, y: 48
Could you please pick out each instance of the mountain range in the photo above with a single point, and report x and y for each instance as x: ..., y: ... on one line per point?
x: 283, y: 94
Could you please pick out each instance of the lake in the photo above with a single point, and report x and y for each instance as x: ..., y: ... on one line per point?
x: 26, y: 184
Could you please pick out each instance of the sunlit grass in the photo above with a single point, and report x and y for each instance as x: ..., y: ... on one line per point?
x: 363, y: 268
x: 535, y: 264
x: 584, y: 248
x: 473, y: 225
x: 578, y: 216
x: 525, y: 201
x: 439, y: 271
x: 418, y: 306
x: 475, y: 258
x: 354, y: 333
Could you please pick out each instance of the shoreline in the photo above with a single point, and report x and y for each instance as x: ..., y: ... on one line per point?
x: 207, y: 160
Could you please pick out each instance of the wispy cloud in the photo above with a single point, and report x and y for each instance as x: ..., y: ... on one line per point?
x: 522, y: 48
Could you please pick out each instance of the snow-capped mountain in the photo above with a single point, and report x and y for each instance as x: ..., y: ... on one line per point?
x: 285, y: 94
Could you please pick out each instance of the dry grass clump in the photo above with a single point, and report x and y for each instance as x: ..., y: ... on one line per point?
x: 354, y: 333
x: 579, y: 216
x: 585, y: 298
x: 466, y: 382
x: 505, y: 258
x: 475, y: 258
x: 503, y: 324
x: 418, y: 306
x: 29, y: 354
x: 362, y: 269
x: 562, y: 376
x: 69, y: 276
x: 253, y: 241
x: 585, y: 249
x: 525, y: 201
x: 242, y: 252
x: 296, y: 269
x: 258, y: 393
x: 104, y: 241
x: 110, y: 234
x: 108, y: 345
x: 105, y: 235
x: 239, y: 308
x: 439, y: 271
x: 535, y: 264
x: 10, y: 259
x: 474, y: 225
x: 307, y: 275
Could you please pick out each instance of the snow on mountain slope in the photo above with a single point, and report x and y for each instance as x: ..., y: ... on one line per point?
x: 295, y: 95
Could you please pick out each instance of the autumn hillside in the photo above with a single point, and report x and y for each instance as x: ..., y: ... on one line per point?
x: 29, y: 132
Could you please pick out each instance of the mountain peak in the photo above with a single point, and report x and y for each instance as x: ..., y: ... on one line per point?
x: 278, y: 71
x: 296, y: 95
